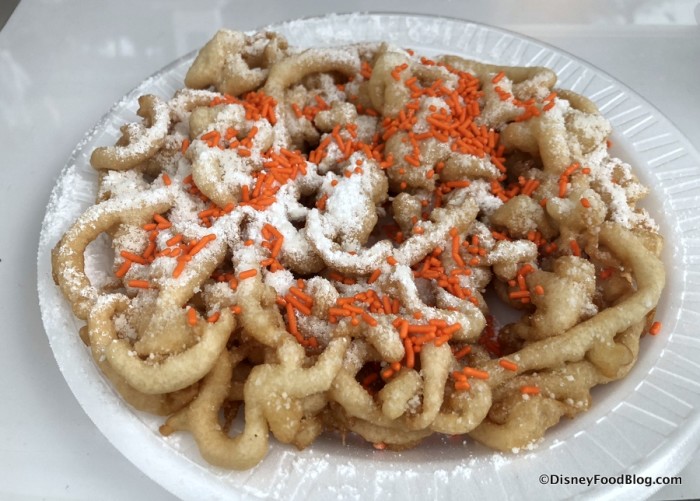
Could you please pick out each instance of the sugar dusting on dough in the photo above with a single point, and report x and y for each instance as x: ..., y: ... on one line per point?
x: 343, y: 212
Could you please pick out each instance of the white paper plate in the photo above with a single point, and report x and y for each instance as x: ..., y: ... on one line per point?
x: 645, y: 425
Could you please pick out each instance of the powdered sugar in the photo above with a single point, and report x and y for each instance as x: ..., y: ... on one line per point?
x: 143, y: 137
x: 605, y: 169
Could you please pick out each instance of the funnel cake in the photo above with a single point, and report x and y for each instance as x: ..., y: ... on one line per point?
x: 309, y: 235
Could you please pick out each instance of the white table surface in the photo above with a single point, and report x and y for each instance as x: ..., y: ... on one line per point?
x: 63, y: 64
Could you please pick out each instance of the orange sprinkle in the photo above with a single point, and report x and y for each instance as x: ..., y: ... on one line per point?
x: 403, y: 330
x: 575, y: 249
x: 563, y: 186
x: 606, y: 273
x: 291, y: 319
x: 457, y: 184
x: 213, y: 318
x: 185, y: 145
x: 274, y: 252
x: 353, y: 309
x: 530, y: 186
x: 498, y: 77
x: 321, y: 202
x: 410, y: 354
x: 422, y: 329
x: 655, y: 328
x: 539, y: 290
x: 130, y: 256
x: 230, y: 133
x: 235, y: 309
x: 175, y: 240
x: 365, y: 70
x: 439, y: 341
x: 150, y: 250
x: 179, y: 268
x: 212, y: 138
x: 571, y: 169
x: 339, y: 312
x: 374, y: 276
x: 301, y: 294
x: 369, y: 319
x: 462, y: 352
x: 206, y: 213
x: 526, y: 269
x: 139, y: 284
x: 291, y: 300
x: 272, y: 230
x: 412, y: 160
x: 462, y: 386
x: 521, y: 282
x: 508, y: 365
x: 392, y: 260
x: 247, y: 274
x: 475, y: 373
x: 586, y: 203
x: 448, y: 331
x: 160, y: 219
x: 529, y: 390
x: 337, y: 277
x: 192, y: 316
x: 166, y: 179
x: 201, y: 244
x: 123, y: 269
